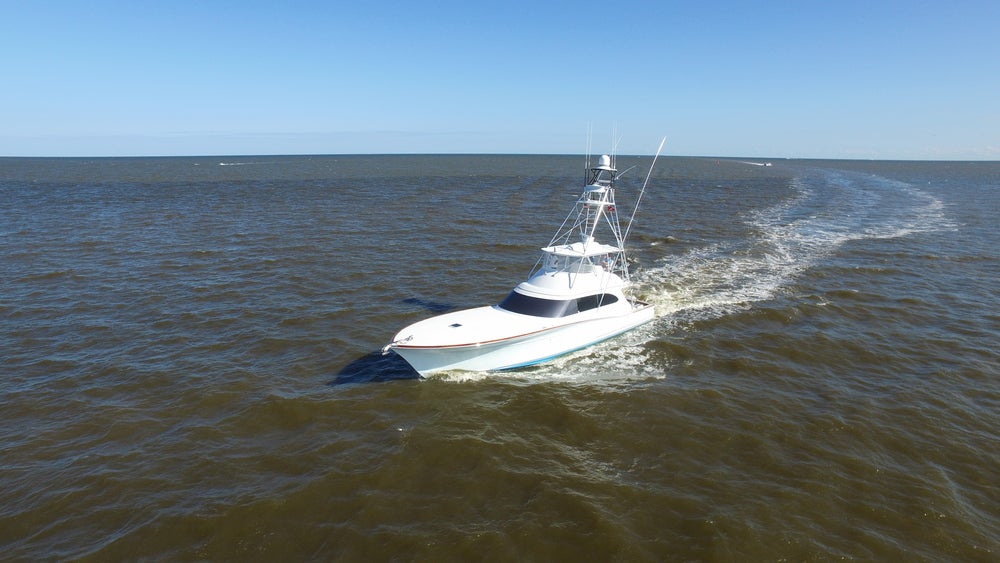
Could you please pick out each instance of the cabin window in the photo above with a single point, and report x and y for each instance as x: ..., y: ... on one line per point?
x: 594, y: 301
x: 552, y: 308
x: 520, y: 303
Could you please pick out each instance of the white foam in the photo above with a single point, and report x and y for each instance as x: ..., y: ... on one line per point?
x: 830, y: 209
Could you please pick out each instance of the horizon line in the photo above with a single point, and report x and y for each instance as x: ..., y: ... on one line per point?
x: 361, y: 154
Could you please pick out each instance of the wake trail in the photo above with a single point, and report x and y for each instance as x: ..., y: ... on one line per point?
x: 829, y: 209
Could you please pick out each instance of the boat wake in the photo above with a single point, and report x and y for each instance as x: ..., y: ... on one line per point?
x: 829, y: 208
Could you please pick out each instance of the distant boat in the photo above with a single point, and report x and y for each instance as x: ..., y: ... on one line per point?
x: 576, y: 295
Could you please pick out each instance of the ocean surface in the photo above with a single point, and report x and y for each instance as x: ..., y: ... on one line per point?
x: 190, y: 366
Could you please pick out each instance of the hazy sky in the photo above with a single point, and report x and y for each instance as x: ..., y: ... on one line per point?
x: 828, y: 79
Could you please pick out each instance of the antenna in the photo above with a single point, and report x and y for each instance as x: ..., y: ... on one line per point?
x: 625, y: 171
x: 616, y: 138
x: 643, y: 190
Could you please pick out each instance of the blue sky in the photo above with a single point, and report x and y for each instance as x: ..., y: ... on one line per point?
x: 845, y: 79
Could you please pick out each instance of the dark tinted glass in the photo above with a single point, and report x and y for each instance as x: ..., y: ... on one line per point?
x: 518, y: 303
x: 594, y: 301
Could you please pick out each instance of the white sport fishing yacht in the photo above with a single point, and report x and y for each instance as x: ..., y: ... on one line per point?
x: 575, y: 296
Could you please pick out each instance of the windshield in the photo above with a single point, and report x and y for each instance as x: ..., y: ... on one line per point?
x: 520, y: 303
x: 553, y: 308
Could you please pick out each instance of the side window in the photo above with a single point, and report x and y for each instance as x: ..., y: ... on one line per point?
x: 594, y: 301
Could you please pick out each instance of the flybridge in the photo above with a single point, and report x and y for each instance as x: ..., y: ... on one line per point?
x: 578, y: 249
x: 574, y: 248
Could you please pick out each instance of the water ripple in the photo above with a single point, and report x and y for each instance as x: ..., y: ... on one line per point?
x: 191, y: 365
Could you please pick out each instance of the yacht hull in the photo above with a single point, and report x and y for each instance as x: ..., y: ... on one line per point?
x: 522, y: 349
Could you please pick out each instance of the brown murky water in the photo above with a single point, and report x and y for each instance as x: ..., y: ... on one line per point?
x: 190, y: 367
